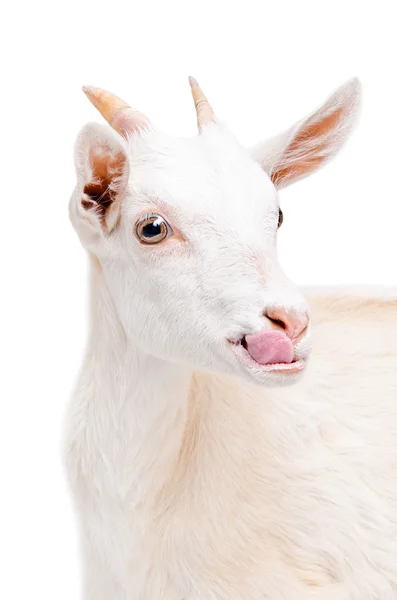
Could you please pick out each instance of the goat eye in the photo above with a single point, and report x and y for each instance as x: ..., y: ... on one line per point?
x: 152, y: 229
x: 280, y: 217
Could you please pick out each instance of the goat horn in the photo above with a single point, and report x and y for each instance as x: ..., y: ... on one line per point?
x: 205, y: 114
x: 116, y: 111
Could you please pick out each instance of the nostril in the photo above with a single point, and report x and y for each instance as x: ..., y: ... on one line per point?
x: 293, y: 324
x: 277, y: 318
x: 277, y: 322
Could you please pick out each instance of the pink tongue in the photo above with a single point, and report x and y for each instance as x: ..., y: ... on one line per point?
x: 270, y: 347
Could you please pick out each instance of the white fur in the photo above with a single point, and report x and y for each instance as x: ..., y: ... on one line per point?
x: 195, y: 477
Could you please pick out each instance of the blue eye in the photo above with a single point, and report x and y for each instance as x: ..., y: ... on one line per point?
x: 152, y: 229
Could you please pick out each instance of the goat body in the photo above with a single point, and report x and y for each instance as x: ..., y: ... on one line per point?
x: 197, y: 472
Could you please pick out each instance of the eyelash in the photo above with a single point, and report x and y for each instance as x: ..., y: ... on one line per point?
x: 145, y: 217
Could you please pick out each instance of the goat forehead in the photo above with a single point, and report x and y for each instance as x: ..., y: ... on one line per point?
x: 208, y: 177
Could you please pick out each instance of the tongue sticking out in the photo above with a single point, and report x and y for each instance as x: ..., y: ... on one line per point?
x: 270, y: 347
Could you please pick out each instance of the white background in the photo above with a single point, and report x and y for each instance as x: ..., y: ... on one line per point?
x: 263, y: 65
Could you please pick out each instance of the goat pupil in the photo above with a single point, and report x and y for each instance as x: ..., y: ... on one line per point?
x: 151, y: 230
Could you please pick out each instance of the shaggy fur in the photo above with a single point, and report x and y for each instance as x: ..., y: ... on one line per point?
x: 195, y: 476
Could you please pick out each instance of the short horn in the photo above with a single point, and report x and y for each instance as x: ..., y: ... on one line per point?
x: 116, y: 111
x: 205, y: 114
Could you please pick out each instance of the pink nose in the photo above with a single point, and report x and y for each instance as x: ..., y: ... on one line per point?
x: 294, y: 325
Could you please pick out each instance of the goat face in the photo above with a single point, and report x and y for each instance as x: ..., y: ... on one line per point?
x: 186, y: 230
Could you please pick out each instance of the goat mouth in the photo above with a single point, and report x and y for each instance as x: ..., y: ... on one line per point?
x: 240, y: 350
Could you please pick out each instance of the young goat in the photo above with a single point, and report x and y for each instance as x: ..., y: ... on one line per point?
x: 198, y: 474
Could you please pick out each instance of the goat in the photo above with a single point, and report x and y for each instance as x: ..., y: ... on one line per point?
x: 198, y: 472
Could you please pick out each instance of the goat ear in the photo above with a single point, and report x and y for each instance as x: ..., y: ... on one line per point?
x: 102, y: 176
x: 310, y: 143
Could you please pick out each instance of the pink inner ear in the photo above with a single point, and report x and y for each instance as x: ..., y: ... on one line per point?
x: 310, y: 148
x: 108, y: 171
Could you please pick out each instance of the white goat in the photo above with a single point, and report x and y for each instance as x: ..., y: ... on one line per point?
x: 197, y: 473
